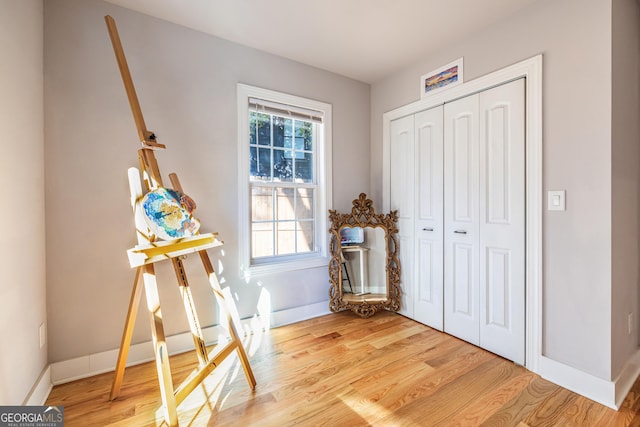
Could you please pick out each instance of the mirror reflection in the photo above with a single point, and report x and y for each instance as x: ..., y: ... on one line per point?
x: 364, y: 270
x: 364, y: 256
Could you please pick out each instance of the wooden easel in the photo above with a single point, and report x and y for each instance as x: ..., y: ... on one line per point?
x: 147, y: 253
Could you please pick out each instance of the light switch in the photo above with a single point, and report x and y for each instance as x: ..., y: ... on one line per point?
x: 556, y: 200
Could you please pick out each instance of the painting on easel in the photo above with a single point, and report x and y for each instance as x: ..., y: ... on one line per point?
x: 169, y: 214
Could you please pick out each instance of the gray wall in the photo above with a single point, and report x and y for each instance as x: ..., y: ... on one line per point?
x: 186, y: 83
x: 575, y: 38
x: 22, y: 257
x: 625, y: 156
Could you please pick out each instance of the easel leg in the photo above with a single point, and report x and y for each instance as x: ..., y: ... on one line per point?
x: 215, y: 285
x: 190, y: 310
x: 242, y: 354
x: 160, y: 345
x: 134, y: 303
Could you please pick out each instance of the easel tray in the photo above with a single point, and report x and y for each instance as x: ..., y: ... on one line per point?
x: 157, y: 251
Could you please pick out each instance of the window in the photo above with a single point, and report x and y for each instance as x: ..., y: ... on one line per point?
x: 284, y: 165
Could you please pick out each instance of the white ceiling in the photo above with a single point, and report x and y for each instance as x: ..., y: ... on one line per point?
x: 362, y: 39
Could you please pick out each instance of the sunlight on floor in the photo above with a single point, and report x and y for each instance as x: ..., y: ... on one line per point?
x: 370, y: 411
x: 209, y: 396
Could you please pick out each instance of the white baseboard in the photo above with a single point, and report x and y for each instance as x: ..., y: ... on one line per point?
x: 105, y: 361
x: 40, y: 391
x: 627, y: 378
x: 298, y: 314
x: 580, y: 382
x: 98, y: 363
x: 608, y: 393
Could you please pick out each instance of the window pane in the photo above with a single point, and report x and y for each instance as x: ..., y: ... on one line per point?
x: 304, y: 203
x: 282, y: 166
x: 263, y: 122
x: 253, y: 128
x: 304, y: 135
x: 253, y: 161
x: 285, y: 202
x: 288, y: 133
x: 278, y: 131
x: 282, y: 132
x: 286, y: 238
x: 304, y: 236
x: 261, y: 204
x: 260, y: 160
x: 262, y: 239
x: 304, y: 167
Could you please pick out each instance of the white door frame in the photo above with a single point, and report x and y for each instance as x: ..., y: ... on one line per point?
x: 531, y: 69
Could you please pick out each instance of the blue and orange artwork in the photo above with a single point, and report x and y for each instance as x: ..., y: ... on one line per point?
x: 169, y: 214
x: 441, y: 79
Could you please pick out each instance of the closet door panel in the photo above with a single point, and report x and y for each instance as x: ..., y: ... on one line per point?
x: 463, y: 272
x: 428, y: 308
x: 402, y: 199
x: 502, y: 221
x: 461, y: 219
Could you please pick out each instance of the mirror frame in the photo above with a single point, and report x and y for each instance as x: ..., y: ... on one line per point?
x: 363, y: 215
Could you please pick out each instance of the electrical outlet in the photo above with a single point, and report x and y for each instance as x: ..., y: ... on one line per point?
x: 630, y: 323
x: 43, y: 335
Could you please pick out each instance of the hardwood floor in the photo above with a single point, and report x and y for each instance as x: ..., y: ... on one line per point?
x: 340, y: 370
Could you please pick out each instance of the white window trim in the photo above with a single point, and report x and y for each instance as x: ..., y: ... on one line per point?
x: 324, y: 199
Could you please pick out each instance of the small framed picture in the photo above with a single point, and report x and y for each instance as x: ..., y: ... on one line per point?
x: 445, y: 77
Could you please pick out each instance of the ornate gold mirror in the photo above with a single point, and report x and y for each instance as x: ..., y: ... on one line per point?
x: 364, y: 270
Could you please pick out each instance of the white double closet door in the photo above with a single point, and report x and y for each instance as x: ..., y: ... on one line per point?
x: 458, y: 183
